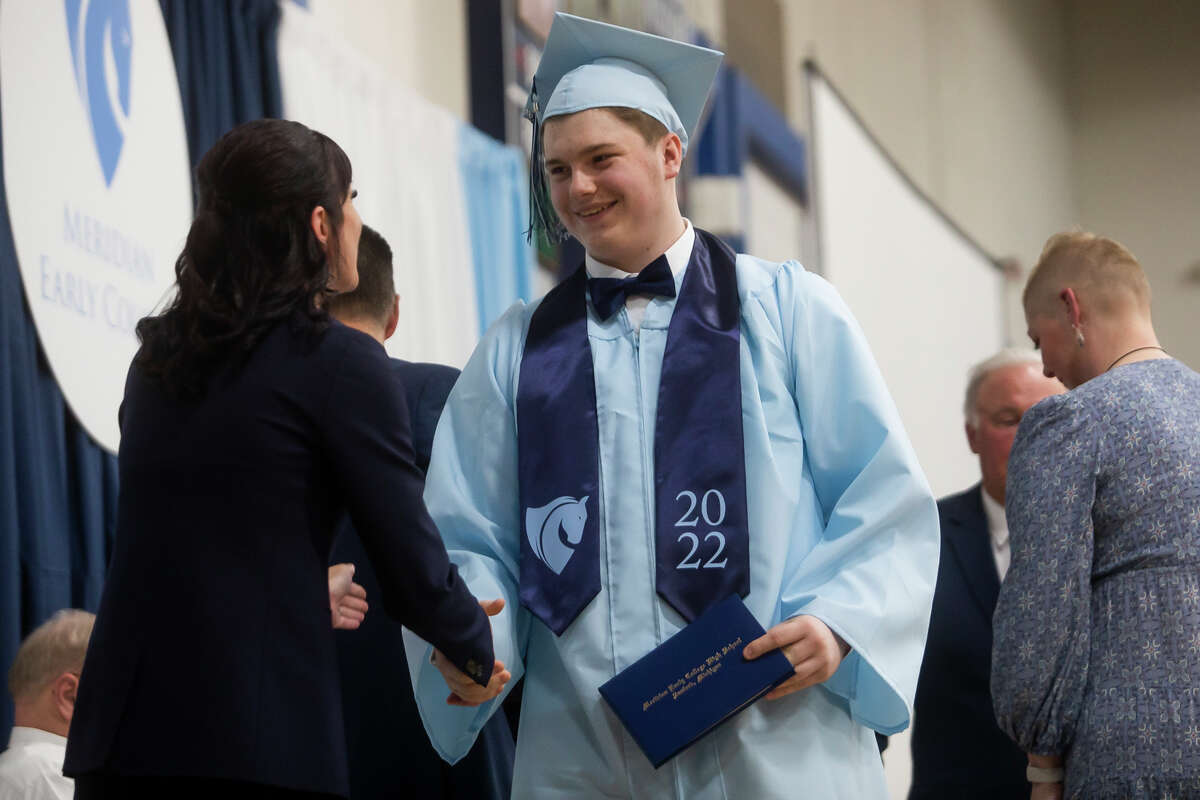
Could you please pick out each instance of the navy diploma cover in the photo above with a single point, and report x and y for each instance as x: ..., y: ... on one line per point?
x: 694, y: 681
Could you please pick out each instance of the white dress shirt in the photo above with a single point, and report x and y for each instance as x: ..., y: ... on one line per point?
x: 997, y: 532
x: 31, y: 767
x: 678, y: 255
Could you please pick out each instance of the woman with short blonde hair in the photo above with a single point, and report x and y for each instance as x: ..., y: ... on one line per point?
x: 1094, y: 669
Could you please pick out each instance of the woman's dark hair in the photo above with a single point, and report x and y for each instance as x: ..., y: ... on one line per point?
x: 251, y: 258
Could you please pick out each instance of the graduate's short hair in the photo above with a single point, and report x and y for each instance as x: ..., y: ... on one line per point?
x: 56, y: 646
x: 651, y: 129
x: 372, y: 299
x: 1100, y: 269
x: 1008, y: 357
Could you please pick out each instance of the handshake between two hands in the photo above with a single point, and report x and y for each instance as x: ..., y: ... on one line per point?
x: 814, y: 650
x: 348, y: 607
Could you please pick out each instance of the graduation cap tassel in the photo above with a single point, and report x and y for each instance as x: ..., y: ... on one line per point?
x: 541, y: 211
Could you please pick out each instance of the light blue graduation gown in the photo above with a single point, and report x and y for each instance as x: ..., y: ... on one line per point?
x: 842, y: 526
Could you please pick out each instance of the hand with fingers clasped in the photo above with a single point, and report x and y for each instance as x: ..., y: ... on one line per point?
x: 814, y: 650
x: 347, y: 599
x: 464, y: 690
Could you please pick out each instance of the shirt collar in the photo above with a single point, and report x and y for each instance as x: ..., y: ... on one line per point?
x: 22, y: 736
x: 997, y: 522
x: 678, y: 255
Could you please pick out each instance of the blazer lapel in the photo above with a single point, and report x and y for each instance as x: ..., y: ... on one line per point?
x: 971, y: 545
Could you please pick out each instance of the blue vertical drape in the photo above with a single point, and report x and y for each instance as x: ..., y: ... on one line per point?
x: 494, y: 181
x: 227, y: 63
x: 58, y: 489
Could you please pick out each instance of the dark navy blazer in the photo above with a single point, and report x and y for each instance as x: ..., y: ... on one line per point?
x: 213, y: 653
x: 958, y: 749
x: 383, y: 726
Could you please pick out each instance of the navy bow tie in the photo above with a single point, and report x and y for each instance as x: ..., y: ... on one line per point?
x: 609, y: 294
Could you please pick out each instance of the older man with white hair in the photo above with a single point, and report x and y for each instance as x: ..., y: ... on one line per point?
x: 957, y: 746
x: 43, y: 680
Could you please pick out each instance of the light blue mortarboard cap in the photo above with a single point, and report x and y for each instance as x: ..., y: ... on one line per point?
x: 589, y: 64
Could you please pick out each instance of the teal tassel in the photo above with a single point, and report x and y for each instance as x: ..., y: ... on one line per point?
x: 541, y: 210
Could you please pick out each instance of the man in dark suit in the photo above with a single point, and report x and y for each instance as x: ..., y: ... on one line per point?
x: 390, y: 755
x: 958, y: 749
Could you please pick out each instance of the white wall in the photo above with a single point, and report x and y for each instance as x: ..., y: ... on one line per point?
x: 421, y: 43
x: 969, y: 96
x: 1135, y: 73
x: 774, y: 218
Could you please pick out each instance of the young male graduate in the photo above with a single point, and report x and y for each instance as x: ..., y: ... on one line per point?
x: 670, y: 425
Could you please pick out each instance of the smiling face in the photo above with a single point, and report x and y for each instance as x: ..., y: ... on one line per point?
x: 612, y: 190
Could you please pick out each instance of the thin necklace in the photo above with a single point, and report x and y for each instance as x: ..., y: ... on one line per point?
x: 1134, y: 350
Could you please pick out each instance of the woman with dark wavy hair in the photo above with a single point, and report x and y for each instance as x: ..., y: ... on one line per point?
x: 251, y: 421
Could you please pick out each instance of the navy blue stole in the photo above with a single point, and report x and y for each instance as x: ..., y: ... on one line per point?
x: 701, y: 532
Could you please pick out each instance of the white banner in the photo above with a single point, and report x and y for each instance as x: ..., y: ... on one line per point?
x: 96, y: 176
x: 404, y: 151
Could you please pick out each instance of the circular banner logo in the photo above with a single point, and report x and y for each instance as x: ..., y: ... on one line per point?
x: 97, y: 179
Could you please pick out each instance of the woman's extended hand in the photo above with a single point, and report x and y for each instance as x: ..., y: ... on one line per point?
x: 464, y: 691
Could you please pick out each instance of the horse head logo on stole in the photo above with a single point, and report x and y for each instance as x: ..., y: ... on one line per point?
x: 544, y: 526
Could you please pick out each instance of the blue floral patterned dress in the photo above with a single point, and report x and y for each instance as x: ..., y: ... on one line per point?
x: 1097, y: 630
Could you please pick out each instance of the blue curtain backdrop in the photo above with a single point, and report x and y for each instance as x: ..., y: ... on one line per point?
x: 58, y: 489
x: 494, y: 188
x: 225, y: 58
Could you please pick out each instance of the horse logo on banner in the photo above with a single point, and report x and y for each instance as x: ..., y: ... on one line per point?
x: 102, y: 41
x: 545, y: 527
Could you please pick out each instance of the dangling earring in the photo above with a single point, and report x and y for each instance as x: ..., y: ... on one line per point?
x: 1078, y: 335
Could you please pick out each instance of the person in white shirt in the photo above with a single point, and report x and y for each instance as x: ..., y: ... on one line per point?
x: 43, y: 680
x: 957, y: 746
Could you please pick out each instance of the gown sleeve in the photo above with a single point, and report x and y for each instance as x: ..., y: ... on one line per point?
x: 471, y: 492
x: 1042, y: 624
x: 871, y: 574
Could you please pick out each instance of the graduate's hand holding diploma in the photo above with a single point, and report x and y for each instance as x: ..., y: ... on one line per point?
x: 464, y: 691
x: 814, y: 650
